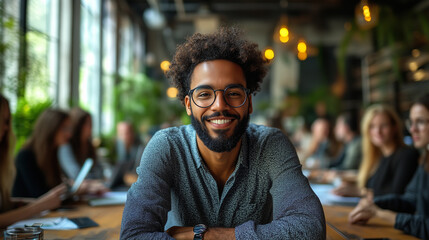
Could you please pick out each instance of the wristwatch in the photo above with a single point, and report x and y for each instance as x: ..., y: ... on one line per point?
x: 199, y: 231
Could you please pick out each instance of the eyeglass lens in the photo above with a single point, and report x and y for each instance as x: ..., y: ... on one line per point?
x: 204, y: 97
x: 418, y: 123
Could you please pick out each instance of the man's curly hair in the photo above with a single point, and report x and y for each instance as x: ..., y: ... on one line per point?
x: 228, y: 44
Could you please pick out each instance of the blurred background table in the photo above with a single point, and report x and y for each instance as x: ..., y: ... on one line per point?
x: 336, y: 219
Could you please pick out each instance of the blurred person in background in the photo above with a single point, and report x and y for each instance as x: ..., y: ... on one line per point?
x: 37, y: 165
x: 387, y: 165
x: 128, y: 152
x: 345, y: 166
x: 347, y: 131
x: 408, y: 212
x: 323, y: 147
x: 128, y: 146
x: 73, y: 153
x: 14, y: 209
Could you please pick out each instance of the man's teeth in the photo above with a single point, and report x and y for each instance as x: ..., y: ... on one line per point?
x: 221, y: 121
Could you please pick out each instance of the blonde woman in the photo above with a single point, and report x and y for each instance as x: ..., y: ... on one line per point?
x: 388, y: 165
x: 8, y: 213
x: 407, y: 212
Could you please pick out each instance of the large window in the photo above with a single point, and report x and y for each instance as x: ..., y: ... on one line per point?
x: 68, y: 53
x: 42, y: 50
x: 109, y: 66
x: 90, y: 57
x: 9, y: 48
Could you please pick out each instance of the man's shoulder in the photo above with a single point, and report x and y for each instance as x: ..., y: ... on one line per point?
x: 174, y: 136
x: 184, y: 131
x: 260, y: 131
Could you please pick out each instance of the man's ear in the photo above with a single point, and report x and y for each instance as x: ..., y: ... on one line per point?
x: 188, y: 105
x: 250, y: 104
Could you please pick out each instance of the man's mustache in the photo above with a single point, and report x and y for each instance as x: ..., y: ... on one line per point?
x: 218, y: 114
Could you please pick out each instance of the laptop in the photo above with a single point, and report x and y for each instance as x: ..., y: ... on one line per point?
x: 71, y: 190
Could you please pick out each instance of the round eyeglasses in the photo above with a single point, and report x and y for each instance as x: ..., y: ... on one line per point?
x: 418, y: 123
x: 205, y: 96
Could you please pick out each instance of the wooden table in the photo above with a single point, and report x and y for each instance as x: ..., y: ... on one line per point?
x: 376, y: 228
x: 108, y: 218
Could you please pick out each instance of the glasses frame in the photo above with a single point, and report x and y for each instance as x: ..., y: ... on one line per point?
x: 246, y: 90
x: 419, y: 124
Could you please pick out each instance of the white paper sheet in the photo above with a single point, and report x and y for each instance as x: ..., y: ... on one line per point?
x: 57, y: 223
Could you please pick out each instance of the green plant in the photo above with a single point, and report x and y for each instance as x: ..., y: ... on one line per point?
x: 141, y: 100
x: 24, y: 118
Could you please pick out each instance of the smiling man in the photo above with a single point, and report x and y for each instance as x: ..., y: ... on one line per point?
x: 220, y: 177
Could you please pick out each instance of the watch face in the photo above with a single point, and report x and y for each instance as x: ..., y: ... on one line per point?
x: 200, y: 228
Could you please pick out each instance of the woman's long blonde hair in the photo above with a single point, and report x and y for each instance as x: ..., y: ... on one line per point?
x: 372, y: 154
x: 7, y: 168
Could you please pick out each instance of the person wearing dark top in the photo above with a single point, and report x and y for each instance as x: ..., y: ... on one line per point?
x: 387, y: 165
x: 408, y: 212
x: 13, y: 209
x: 37, y: 165
x: 394, y: 172
x: 30, y: 180
x: 220, y: 177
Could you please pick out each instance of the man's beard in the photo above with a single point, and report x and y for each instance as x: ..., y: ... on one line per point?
x: 222, y: 143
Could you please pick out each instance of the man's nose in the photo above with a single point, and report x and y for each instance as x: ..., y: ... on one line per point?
x: 219, y: 104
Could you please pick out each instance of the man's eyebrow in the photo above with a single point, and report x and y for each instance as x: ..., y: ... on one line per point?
x: 204, y: 86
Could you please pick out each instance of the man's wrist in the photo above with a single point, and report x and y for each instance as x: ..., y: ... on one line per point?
x: 199, y: 231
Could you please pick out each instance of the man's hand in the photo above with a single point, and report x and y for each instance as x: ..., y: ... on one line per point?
x: 187, y: 233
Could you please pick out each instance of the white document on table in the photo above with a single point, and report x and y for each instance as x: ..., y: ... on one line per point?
x: 55, y: 223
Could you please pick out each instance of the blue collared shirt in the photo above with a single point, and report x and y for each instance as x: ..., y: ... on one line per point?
x: 266, y: 197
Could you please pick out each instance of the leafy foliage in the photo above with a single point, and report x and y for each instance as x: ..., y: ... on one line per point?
x: 140, y: 100
x: 25, y: 117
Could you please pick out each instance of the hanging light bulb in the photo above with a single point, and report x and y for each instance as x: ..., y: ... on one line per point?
x: 302, y: 56
x: 302, y: 47
x: 269, y: 54
x: 366, y: 14
x: 284, y: 34
x: 165, y: 65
